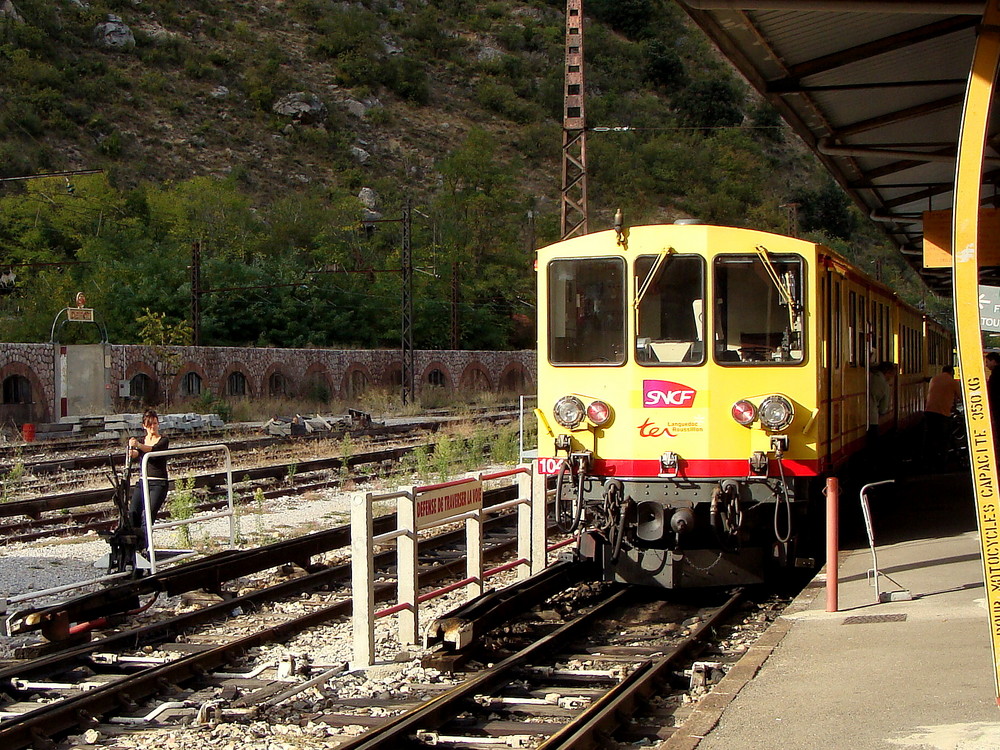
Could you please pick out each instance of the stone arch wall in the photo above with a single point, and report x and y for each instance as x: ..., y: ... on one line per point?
x: 317, y: 374
x: 166, y: 366
x: 265, y: 384
x: 351, y: 385
x: 392, y: 375
x: 141, y: 368
x: 223, y: 384
x: 184, y: 369
x: 475, y: 376
x: 515, y: 378
x: 38, y: 410
x: 449, y: 379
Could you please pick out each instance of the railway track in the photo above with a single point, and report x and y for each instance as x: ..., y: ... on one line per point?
x: 80, y: 684
x: 81, y: 510
x: 77, y: 512
x: 36, y: 469
x: 577, y: 684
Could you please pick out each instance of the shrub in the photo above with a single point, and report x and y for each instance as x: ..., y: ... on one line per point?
x: 711, y: 103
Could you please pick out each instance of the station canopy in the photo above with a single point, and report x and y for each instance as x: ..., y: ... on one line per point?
x: 876, y: 89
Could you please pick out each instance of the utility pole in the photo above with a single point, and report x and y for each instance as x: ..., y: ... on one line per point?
x: 573, y: 214
x: 455, y: 299
x: 407, y: 307
x: 196, y: 293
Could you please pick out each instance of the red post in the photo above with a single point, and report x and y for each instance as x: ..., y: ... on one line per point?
x: 832, y: 542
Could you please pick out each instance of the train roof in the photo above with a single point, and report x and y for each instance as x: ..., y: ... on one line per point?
x: 875, y: 88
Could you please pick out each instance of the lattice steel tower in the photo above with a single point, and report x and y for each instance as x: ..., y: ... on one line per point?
x: 573, y: 216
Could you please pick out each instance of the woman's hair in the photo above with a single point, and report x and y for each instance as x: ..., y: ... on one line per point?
x: 149, y: 415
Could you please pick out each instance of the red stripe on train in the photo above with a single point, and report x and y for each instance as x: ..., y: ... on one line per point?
x: 703, y: 468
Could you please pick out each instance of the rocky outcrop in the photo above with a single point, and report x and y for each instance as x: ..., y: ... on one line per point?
x: 114, y: 34
x: 302, y: 107
x: 7, y: 10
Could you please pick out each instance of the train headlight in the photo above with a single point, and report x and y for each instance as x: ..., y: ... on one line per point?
x: 569, y: 411
x: 776, y: 412
x: 599, y: 413
x: 744, y: 412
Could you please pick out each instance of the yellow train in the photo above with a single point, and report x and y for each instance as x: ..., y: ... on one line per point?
x: 695, y: 385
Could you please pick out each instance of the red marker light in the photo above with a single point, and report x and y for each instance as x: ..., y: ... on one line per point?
x: 744, y: 412
x: 598, y: 412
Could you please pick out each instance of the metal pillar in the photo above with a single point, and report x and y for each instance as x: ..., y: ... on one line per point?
x: 455, y: 299
x: 196, y: 293
x: 573, y: 214
x: 407, y: 306
x: 965, y: 265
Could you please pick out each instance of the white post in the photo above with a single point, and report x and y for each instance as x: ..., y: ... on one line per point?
x: 524, y: 549
x: 406, y: 567
x: 474, y: 554
x: 539, y: 500
x: 362, y: 581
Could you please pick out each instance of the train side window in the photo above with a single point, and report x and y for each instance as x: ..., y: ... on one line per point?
x: 759, y: 307
x: 586, y: 316
x: 852, y: 327
x: 670, y: 314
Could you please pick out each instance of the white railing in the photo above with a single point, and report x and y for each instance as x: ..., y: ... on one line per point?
x: 150, y: 522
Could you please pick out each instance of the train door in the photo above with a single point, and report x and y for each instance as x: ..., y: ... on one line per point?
x: 832, y: 373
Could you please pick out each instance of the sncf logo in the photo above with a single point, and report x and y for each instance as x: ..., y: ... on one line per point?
x: 663, y: 394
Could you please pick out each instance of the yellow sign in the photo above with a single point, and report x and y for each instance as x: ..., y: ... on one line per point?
x: 966, y: 237
x: 440, y: 503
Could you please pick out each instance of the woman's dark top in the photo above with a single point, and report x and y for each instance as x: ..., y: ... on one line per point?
x: 156, y: 467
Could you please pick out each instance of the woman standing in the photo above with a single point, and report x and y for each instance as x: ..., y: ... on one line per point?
x: 156, y: 471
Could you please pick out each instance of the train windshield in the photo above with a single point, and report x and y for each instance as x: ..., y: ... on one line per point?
x: 586, y: 311
x: 670, y: 304
x: 758, y: 309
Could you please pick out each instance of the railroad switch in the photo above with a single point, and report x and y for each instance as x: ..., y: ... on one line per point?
x: 448, y: 663
x: 705, y: 673
x: 512, y: 740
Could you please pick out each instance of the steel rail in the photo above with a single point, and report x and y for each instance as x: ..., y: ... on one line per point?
x: 34, y: 507
x: 81, y: 711
x: 205, y: 573
x: 398, y: 731
x: 593, y: 727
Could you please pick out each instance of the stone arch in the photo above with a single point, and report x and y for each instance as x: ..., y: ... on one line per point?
x: 356, y: 381
x: 515, y: 378
x: 276, y: 383
x: 17, y: 376
x: 190, y: 381
x: 476, y: 377
x: 144, y: 386
x: 392, y: 375
x: 236, y: 382
x: 316, y: 383
x: 436, y: 374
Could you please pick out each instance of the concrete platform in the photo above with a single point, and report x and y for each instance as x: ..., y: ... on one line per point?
x: 901, y: 674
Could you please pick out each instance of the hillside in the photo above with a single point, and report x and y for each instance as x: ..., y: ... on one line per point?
x: 252, y: 129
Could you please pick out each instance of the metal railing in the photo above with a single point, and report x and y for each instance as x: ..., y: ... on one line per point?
x: 150, y: 522
x: 426, y: 507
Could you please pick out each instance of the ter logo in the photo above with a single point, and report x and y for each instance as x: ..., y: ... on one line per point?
x: 663, y: 394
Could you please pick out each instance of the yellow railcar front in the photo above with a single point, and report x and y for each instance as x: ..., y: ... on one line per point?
x: 702, y: 342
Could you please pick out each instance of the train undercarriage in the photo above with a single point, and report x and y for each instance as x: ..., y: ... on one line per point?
x: 680, y: 533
